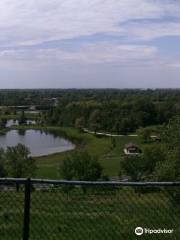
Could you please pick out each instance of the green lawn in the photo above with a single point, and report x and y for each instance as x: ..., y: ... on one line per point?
x: 102, y: 213
x: 16, y: 116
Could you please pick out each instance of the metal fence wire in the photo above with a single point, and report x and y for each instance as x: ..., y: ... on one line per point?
x: 32, y: 209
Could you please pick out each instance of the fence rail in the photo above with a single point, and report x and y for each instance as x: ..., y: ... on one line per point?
x: 32, y: 209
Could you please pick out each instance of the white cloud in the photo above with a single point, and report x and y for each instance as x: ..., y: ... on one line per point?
x: 173, y: 65
x: 149, y: 31
x: 35, y: 21
x: 88, y: 54
x: 108, y: 53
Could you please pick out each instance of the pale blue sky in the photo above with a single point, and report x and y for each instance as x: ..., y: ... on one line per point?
x: 86, y: 44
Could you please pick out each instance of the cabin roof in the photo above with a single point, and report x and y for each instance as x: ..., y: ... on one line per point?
x: 130, y: 145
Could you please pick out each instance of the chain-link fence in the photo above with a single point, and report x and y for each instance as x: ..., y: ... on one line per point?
x: 71, y: 210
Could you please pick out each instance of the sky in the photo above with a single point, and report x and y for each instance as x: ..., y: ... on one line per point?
x: 90, y: 44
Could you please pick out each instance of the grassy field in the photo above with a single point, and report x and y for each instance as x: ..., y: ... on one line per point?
x: 29, y: 116
x: 101, y: 213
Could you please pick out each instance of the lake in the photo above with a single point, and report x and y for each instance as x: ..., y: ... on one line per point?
x: 40, y: 143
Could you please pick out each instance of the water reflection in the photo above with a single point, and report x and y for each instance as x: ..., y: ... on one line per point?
x: 21, y: 132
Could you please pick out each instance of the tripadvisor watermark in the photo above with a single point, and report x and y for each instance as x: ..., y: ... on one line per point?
x: 140, y: 231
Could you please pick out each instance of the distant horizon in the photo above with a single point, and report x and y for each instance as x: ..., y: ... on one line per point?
x: 90, y: 44
x: 142, y: 89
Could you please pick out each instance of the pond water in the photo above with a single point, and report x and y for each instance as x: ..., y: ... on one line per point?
x: 40, y: 143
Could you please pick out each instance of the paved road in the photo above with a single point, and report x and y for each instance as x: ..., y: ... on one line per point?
x: 108, y: 134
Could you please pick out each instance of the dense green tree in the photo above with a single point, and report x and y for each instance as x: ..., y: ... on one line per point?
x: 22, y: 118
x: 170, y: 169
x: 167, y: 170
x: 171, y: 135
x: 94, y: 120
x: 19, y: 163
x: 3, y: 122
x: 144, y: 134
x: 3, y: 171
x: 67, y: 169
x: 79, y: 123
x: 81, y: 166
x: 133, y: 166
x: 153, y: 156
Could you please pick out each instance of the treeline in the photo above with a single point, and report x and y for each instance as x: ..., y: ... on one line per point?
x: 18, y: 97
x: 120, y: 111
x: 111, y: 110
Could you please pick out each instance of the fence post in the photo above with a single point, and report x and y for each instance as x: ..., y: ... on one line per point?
x: 27, y: 201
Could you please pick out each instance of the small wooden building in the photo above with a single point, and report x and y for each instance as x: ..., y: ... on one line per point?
x: 132, y: 149
x: 156, y: 138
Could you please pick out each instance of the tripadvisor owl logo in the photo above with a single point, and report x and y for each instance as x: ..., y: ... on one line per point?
x: 139, y: 231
